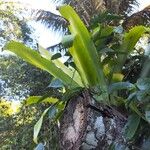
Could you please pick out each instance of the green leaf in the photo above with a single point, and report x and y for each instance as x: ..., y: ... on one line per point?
x: 38, y: 125
x: 102, y: 32
x: 130, y: 40
x: 107, y: 50
x: 37, y: 60
x: 121, y: 86
x: 130, y: 98
x: 132, y: 37
x: 117, y: 77
x: 56, y: 56
x: 83, y: 50
x: 134, y: 108
x: 67, y: 40
x: 117, y: 101
x: 132, y: 126
x: 72, y: 73
x: 37, y: 99
x: 71, y: 93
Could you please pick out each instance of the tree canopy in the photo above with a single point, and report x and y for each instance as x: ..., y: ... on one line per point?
x: 98, y: 98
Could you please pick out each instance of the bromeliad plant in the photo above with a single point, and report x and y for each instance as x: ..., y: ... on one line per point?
x: 98, y: 66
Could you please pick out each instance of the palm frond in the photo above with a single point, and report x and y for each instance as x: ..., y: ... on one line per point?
x: 56, y: 47
x: 88, y: 8
x: 140, y: 18
x: 122, y: 7
x: 50, y: 19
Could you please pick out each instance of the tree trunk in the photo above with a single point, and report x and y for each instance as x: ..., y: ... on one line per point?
x: 88, y: 125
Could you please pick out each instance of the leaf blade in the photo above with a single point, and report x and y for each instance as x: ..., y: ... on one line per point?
x: 36, y: 99
x: 38, y: 126
x: 35, y: 58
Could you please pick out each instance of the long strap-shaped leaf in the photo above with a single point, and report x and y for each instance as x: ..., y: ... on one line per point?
x: 36, y: 59
x: 70, y: 72
x: 83, y: 50
x: 130, y: 40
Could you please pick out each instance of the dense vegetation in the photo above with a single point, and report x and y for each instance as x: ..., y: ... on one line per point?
x: 106, y: 63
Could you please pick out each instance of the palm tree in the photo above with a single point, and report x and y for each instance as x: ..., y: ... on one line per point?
x: 140, y: 18
x: 86, y: 9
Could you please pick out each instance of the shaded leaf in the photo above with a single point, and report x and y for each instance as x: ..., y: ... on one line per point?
x: 121, y: 86
x: 130, y: 98
x: 117, y: 101
x: 143, y: 96
x: 134, y: 108
x: 67, y: 40
x: 56, y: 56
x: 131, y: 126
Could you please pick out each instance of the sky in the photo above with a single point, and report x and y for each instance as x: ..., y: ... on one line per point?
x: 46, y: 36
x: 143, y: 3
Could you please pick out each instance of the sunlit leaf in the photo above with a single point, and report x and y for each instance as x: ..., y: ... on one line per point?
x: 130, y: 40
x: 72, y: 73
x: 83, y: 50
x: 36, y: 59
x: 38, y: 125
x: 132, y: 37
x: 117, y: 77
x: 36, y: 99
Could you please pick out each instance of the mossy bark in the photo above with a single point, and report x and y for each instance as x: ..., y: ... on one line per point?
x: 88, y: 125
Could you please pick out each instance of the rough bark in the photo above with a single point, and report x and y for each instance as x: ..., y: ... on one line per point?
x: 88, y: 125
